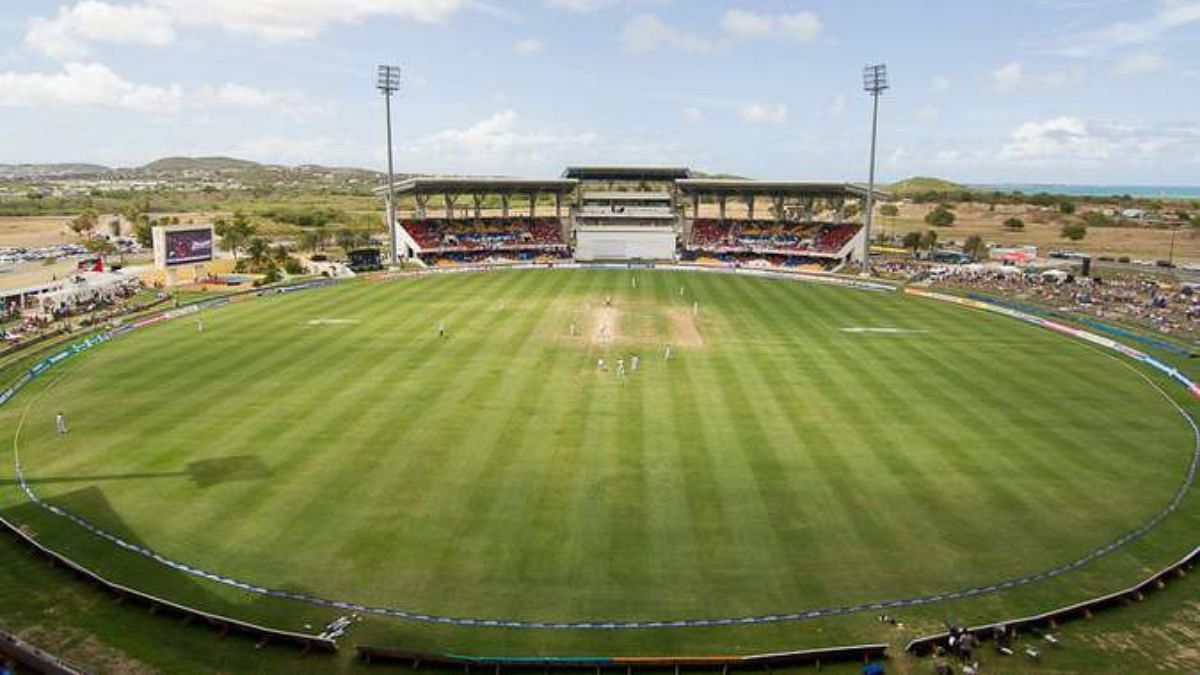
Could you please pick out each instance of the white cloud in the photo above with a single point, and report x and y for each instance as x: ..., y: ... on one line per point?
x: 155, y: 22
x: 1009, y: 76
x: 243, y: 96
x: 278, y: 149
x: 1136, y: 64
x: 646, y: 32
x: 1071, y: 139
x: 69, y: 33
x: 578, y: 5
x: 87, y: 85
x: 528, y: 46
x: 764, y: 113
x: 939, y: 83
x: 1169, y: 15
x: 1013, y: 76
x: 747, y: 25
x: 691, y: 114
x: 927, y: 114
x: 837, y: 107
x: 499, y: 137
x: 584, y: 6
x: 801, y: 27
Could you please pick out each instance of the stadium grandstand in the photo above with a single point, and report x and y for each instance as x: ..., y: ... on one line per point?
x: 615, y: 213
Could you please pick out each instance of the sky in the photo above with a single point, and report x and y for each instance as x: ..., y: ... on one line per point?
x: 1013, y: 91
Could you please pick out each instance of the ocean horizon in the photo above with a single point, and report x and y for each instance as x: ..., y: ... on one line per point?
x: 1143, y: 191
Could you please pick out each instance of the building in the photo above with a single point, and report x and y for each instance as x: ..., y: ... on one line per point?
x: 615, y: 213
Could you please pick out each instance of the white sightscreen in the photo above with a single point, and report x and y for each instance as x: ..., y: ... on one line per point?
x: 625, y: 244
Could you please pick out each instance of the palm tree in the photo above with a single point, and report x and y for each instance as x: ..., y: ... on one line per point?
x: 258, y: 250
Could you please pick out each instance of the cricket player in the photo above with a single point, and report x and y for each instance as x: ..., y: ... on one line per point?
x: 620, y: 367
x: 441, y: 329
x: 667, y: 354
x: 633, y: 363
x: 60, y: 423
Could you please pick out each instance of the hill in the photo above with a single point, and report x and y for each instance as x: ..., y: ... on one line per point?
x: 924, y: 184
x: 65, y: 170
x: 175, y: 164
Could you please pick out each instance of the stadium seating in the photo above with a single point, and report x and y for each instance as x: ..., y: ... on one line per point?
x: 770, y: 236
x: 834, y: 236
x: 487, y: 234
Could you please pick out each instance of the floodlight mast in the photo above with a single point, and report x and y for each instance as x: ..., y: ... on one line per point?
x: 388, y: 83
x: 874, y: 83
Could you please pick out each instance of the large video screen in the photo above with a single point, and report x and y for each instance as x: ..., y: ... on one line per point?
x: 188, y: 246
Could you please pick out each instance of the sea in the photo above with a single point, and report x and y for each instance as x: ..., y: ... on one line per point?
x: 1140, y: 191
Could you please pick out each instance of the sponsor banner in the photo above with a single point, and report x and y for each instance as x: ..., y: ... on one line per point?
x: 81, y: 346
x: 1098, y: 340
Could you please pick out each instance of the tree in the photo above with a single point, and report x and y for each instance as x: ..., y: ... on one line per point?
x: 975, y: 247
x: 940, y: 216
x: 1073, y: 231
x: 235, y: 234
x: 912, y: 241
x: 311, y: 240
x: 101, y: 247
x: 348, y: 239
x: 1066, y: 207
x: 889, y: 210
x: 258, y: 254
x: 142, y: 231
x: 1014, y: 224
x: 85, y: 223
x: 137, y: 212
x: 929, y: 240
x: 1096, y: 219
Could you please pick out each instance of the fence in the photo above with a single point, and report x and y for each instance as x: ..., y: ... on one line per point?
x: 221, y: 623
x: 926, y: 644
x: 33, y: 659
x: 860, y: 653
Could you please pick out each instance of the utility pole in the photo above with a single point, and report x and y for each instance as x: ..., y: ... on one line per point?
x: 388, y: 83
x: 874, y: 83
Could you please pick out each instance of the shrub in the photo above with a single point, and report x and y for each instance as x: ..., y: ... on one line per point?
x: 940, y: 216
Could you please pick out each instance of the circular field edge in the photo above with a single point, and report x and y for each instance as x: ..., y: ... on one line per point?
x: 800, y: 615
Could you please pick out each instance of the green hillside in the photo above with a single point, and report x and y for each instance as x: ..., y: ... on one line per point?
x: 919, y: 184
x: 168, y: 164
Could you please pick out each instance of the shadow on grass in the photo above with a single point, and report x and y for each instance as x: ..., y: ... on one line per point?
x: 148, y: 576
x: 205, y: 473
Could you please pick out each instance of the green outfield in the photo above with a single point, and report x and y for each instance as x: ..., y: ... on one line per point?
x: 803, y: 447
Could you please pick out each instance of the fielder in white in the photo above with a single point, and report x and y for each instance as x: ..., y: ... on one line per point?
x: 60, y: 423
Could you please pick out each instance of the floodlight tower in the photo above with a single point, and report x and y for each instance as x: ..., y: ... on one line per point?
x: 388, y: 83
x: 874, y: 83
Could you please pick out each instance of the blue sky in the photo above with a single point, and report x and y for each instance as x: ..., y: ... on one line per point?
x: 1096, y: 91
